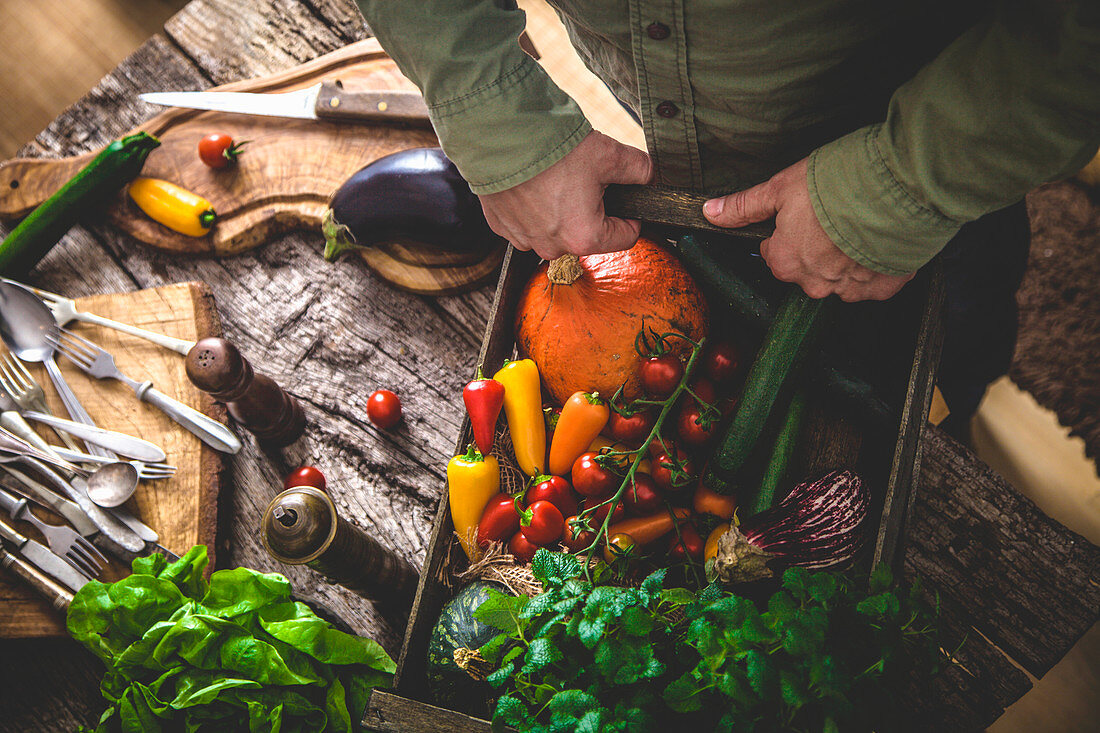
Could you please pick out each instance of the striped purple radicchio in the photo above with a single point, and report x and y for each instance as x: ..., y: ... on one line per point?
x: 820, y: 524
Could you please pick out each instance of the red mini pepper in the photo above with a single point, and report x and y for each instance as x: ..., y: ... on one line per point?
x: 484, y: 399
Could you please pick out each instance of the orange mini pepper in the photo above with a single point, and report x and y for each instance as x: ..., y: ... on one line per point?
x: 582, y: 418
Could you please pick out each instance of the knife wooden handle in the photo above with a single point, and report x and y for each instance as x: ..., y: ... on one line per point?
x: 674, y: 207
x: 334, y: 103
x: 59, y: 597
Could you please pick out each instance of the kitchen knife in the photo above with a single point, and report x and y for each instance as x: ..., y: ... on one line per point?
x: 40, y: 556
x: 324, y: 101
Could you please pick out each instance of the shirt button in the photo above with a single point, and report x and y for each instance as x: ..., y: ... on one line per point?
x: 667, y: 109
x: 657, y: 31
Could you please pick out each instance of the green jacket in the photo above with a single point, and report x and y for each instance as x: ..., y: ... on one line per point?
x: 917, y: 115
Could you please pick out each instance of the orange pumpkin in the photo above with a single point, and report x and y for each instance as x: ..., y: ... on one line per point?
x: 577, y: 318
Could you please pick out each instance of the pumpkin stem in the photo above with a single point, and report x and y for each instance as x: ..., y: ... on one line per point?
x: 564, y: 270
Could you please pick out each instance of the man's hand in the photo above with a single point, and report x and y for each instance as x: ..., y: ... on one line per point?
x: 561, y: 209
x: 800, y: 251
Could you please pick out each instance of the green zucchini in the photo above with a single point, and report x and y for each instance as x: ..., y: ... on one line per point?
x: 784, y: 347
x: 740, y: 295
x: 89, y: 190
x: 782, y: 451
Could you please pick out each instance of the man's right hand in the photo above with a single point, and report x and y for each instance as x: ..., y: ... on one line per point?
x: 560, y: 210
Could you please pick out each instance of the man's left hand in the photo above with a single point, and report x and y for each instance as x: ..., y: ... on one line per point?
x: 800, y: 251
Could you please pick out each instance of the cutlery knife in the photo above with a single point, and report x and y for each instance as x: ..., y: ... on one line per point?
x: 122, y: 443
x: 68, y: 510
x: 327, y: 100
x: 42, y: 558
x: 58, y: 596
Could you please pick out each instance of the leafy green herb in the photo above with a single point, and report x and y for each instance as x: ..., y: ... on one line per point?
x: 822, y: 653
x: 232, y: 654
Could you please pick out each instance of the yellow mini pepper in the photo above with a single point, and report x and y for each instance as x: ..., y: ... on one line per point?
x: 472, y: 479
x: 523, y: 408
x: 173, y: 206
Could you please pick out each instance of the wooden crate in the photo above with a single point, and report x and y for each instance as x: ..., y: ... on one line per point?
x: 888, y: 459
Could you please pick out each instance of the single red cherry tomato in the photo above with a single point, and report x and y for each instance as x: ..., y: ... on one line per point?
x: 704, y: 389
x: 688, y: 544
x: 384, y: 408
x: 541, y: 523
x: 642, y: 497
x: 555, y: 490
x: 661, y: 374
x: 499, y: 521
x: 692, y: 429
x: 620, y: 546
x: 218, y: 150
x: 592, y: 479
x: 720, y: 361
x: 630, y: 430
x: 664, y: 469
x: 305, y: 476
x: 596, y: 518
x: 576, y: 540
x: 521, y: 548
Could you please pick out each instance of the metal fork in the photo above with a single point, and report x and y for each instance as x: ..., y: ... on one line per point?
x: 63, y: 541
x: 64, y: 311
x: 145, y: 470
x: 97, y: 362
x: 26, y: 391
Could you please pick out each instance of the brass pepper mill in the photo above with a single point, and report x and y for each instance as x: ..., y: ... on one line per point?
x: 256, y: 402
x: 301, y: 527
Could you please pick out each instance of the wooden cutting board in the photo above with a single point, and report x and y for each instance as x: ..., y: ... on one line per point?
x: 282, y: 181
x: 183, y: 509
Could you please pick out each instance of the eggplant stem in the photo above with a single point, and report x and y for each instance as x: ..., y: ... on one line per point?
x: 740, y: 561
x: 338, y: 237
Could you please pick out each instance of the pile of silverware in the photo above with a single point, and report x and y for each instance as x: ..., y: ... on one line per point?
x: 85, y: 484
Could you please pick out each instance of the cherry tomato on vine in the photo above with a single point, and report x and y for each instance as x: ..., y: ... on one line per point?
x: 642, y: 497
x: 576, y: 540
x: 305, y: 476
x: 541, y: 523
x: 689, y: 538
x: 630, y: 430
x: 592, y: 479
x: 521, y: 548
x: 664, y: 469
x: 661, y: 375
x: 555, y: 490
x: 596, y: 518
x: 499, y: 521
x: 720, y: 361
x: 218, y: 150
x: 620, y: 546
x: 690, y: 427
x: 704, y: 390
x: 384, y: 408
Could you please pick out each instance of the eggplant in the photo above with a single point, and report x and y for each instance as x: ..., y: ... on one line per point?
x: 412, y: 196
x: 820, y: 524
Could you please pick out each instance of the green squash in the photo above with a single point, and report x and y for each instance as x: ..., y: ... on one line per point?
x: 449, y: 684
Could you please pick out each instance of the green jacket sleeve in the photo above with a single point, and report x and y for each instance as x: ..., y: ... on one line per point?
x: 498, y: 115
x: 1009, y: 105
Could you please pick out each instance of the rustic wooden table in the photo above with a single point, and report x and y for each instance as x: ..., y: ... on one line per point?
x: 1020, y: 588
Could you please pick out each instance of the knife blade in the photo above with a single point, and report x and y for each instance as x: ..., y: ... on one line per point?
x: 122, y: 443
x: 40, y: 556
x: 327, y: 100
x: 67, y: 509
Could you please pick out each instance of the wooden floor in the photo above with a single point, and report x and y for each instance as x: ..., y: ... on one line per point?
x: 55, y: 50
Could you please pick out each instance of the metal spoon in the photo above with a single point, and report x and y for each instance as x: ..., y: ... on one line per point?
x: 112, y: 484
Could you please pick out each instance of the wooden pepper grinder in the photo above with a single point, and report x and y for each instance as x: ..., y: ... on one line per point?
x: 216, y: 366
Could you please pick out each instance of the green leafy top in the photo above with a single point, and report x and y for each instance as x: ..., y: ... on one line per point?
x: 820, y: 653
x: 234, y: 653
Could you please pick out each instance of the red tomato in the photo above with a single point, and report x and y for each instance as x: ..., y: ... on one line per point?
x: 661, y: 374
x: 643, y: 496
x: 720, y: 361
x: 704, y: 388
x: 384, y: 408
x: 218, y: 150
x: 630, y: 430
x: 576, y: 540
x: 663, y: 469
x: 596, y: 518
x: 592, y: 479
x: 690, y: 428
x: 555, y: 490
x: 544, y: 524
x: 499, y: 521
x: 689, y: 538
x: 521, y: 548
x: 305, y: 476
x: 620, y: 546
